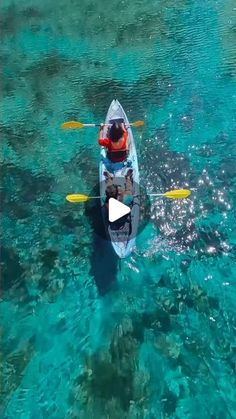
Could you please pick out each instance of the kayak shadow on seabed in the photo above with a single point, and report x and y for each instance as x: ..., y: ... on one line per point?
x: 104, y: 262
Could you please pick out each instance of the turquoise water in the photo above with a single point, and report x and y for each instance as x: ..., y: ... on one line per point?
x: 83, y: 335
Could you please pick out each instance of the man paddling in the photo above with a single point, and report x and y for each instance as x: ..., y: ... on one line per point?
x: 114, y: 191
x: 116, y: 143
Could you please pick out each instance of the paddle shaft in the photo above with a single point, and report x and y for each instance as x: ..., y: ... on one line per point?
x: 78, y: 125
x: 149, y: 194
x: 175, y: 194
x: 104, y: 125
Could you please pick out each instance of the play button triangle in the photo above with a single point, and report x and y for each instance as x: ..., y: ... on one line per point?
x: 116, y: 210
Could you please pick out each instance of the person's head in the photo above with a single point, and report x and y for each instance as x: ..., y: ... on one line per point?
x: 112, y: 191
x: 116, y: 132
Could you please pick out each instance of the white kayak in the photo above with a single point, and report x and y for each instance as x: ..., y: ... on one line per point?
x: 122, y: 233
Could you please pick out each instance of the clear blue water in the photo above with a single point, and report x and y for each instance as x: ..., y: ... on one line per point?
x: 82, y: 335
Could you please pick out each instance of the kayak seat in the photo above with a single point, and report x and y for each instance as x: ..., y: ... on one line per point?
x: 119, y: 154
x: 119, y: 120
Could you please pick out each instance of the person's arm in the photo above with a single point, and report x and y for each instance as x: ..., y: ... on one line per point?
x: 101, y: 132
x: 102, y: 141
x: 125, y: 135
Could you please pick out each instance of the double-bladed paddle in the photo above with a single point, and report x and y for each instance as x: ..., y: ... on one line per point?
x: 175, y: 194
x: 78, y: 125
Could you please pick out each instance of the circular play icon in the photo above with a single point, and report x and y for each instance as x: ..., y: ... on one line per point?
x: 117, y: 210
x: 119, y: 213
x: 120, y: 206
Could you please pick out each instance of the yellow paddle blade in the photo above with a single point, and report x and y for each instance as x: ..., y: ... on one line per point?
x: 177, y: 194
x: 72, y: 125
x: 77, y: 197
x: 137, y: 124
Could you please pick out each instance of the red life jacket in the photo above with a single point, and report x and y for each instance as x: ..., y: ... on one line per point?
x: 118, y: 152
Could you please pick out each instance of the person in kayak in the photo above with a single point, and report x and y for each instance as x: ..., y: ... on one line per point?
x: 114, y: 191
x: 117, y: 142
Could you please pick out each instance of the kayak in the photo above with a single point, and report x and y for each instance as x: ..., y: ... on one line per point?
x: 122, y: 233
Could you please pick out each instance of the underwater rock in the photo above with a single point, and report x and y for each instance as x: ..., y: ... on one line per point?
x: 166, y: 299
x: 9, y: 22
x: 157, y: 87
x: 195, y: 366
x: 28, y: 186
x: 86, y: 163
x: 227, y: 171
x: 77, y: 251
x: 69, y: 221
x: 170, y: 306
x: 41, y: 74
x: 12, y: 369
x: 103, y: 381
x: 199, y: 298
x: 186, y: 235
x: 19, y: 212
x: 206, y: 243
x: 112, y: 384
x: 195, y: 297
x: 228, y: 40
x: 167, y: 346
x: 104, y: 91
x: 140, y: 388
x: 205, y: 150
x: 162, y: 164
x: 212, y: 237
x: 8, y: 85
x: 48, y: 258
x: 14, y: 209
x: 187, y: 122
x: 169, y: 401
x: 32, y: 12
x: 138, y: 329
x: 124, y: 346
x: 44, y: 282
x: 47, y: 68
x: 151, y: 25
x: 162, y: 283
x: 52, y: 284
x: 127, y: 326
x: 13, y: 19
x: 196, y: 346
x: 186, y: 369
x: 165, y: 281
x: 61, y: 325
x: 214, y: 303
x: 113, y: 409
x: 20, y: 136
x: 112, y: 377
x: 11, y: 269
x: 185, y: 264
x: 157, y: 320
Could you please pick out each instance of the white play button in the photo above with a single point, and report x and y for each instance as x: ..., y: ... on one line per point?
x: 116, y: 210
